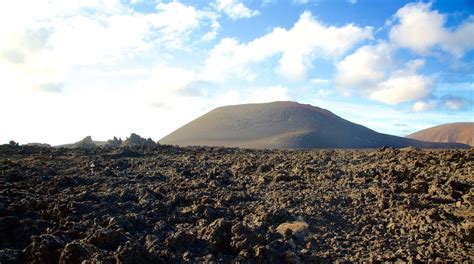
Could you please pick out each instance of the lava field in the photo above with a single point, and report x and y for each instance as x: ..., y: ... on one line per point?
x: 167, y: 204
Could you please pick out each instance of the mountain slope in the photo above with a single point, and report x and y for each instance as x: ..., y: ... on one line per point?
x: 283, y: 125
x: 452, y: 132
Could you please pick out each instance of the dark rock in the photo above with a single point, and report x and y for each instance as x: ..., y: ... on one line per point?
x: 11, y: 256
x: 135, y: 254
x: 218, y: 234
x: 242, y: 238
x: 114, y: 143
x: 76, y: 253
x: 46, y: 248
x: 8, y: 229
x: 136, y: 140
x: 180, y: 241
x: 107, y: 239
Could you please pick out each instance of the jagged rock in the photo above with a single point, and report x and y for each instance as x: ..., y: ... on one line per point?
x: 180, y: 240
x: 134, y: 254
x: 46, y: 248
x: 76, y: 253
x: 218, y: 234
x: 114, y: 143
x: 107, y: 239
x: 297, y: 228
x: 136, y: 140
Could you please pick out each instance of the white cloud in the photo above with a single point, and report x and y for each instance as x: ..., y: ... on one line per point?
x: 175, y: 22
x: 371, y: 72
x: 420, y: 29
x: 41, y: 45
x: 298, y: 46
x: 214, y: 27
x: 461, y: 40
x: 235, y: 9
x: 421, y: 106
x: 399, y: 89
x: 352, y: 2
x: 363, y: 68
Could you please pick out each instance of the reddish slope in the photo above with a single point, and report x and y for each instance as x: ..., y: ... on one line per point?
x: 453, y: 132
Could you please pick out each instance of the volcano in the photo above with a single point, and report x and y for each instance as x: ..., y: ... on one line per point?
x: 462, y: 132
x: 284, y: 125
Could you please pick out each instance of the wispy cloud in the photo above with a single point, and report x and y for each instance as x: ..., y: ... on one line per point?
x: 235, y: 9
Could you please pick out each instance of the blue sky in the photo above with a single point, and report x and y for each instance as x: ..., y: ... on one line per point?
x: 109, y: 68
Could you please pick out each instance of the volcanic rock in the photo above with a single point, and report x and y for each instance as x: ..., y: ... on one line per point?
x: 222, y: 205
x: 136, y: 140
x: 76, y: 253
x: 114, y: 143
x: 46, y: 249
x: 297, y: 228
x: 107, y: 239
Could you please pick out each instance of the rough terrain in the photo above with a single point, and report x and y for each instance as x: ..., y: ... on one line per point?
x: 167, y: 204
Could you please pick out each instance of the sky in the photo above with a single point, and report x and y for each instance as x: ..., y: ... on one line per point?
x: 105, y: 68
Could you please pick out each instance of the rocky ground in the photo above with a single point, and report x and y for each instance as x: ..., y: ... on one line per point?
x: 166, y: 204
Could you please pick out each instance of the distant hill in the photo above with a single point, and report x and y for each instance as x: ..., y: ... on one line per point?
x: 284, y: 125
x: 452, y: 132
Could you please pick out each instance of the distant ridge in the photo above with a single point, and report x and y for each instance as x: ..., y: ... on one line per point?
x: 462, y: 132
x: 284, y: 125
x: 133, y: 140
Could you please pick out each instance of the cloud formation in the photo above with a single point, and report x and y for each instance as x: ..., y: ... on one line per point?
x: 421, y: 29
x: 371, y: 72
x: 43, y: 46
x: 296, y: 48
